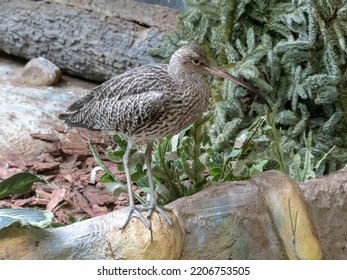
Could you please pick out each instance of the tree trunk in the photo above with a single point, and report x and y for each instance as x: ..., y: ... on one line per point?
x: 90, y: 39
x: 267, y: 217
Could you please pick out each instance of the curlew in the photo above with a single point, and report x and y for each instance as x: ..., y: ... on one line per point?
x: 148, y: 103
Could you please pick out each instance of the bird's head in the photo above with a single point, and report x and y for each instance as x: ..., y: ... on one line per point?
x: 191, y: 60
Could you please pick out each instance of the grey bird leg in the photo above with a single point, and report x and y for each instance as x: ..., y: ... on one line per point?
x: 134, y: 212
x: 153, y: 202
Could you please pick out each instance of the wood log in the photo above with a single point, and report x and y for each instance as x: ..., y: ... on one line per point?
x: 267, y: 217
x: 90, y: 39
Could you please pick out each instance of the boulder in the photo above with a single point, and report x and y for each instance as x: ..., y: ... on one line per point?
x: 40, y: 72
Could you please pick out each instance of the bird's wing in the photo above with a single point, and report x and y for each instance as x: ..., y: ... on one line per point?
x: 133, y: 82
x: 130, y: 114
x: 123, y: 104
x: 127, y: 115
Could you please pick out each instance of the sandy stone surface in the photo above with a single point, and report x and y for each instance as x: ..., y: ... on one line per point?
x: 26, y: 109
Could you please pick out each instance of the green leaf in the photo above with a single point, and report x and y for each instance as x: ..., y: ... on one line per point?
x: 18, y: 184
x: 286, y: 117
x: 106, y: 178
x: 143, y: 183
x: 290, y: 45
x: 115, y: 188
x: 146, y: 190
x: 74, y: 219
x: 296, y: 164
x: 26, y: 217
x: 234, y: 153
x: 98, y: 160
x: 159, y: 171
x: 137, y: 176
x: 249, y: 71
x: 115, y: 155
x: 319, y: 80
x: 323, y: 158
x: 121, y: 142
x: 215, y: 171
x: 237, y: 167
x: 258, y: 168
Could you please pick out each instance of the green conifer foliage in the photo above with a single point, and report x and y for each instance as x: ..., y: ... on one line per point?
x: 295, y: 53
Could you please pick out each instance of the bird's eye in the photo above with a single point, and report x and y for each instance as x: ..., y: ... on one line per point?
x: 196, y: 61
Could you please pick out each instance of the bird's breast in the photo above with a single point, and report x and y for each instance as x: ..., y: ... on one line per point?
x: 182, y: 108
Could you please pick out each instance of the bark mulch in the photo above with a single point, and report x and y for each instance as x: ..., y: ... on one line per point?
x: 67, y: 165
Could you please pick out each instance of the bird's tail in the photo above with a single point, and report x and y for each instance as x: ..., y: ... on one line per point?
x: 67, y: 117
x: 64, y: 116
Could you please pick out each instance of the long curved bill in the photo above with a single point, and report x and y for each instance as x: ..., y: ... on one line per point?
x: 217, y: 72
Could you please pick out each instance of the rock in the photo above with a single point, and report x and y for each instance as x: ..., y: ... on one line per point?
x: 40, y: 72
x: 90, y: 39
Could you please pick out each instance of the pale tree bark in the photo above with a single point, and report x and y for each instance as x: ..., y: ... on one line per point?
x: 90, y: 39
x: 267, y: 217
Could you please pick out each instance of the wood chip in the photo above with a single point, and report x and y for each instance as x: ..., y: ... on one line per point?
x: 97, y: 137
x: 50, y: 137
x: 60, y: 128
x: 74, y: 144
x: 97, y: 196
x: 57, y: 197
x: 41, y: 167
x: 14, y: 160
x: 8, y: 172
x: 99, y: 210
x: 79, y: 200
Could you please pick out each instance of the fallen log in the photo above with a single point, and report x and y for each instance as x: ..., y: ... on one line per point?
x: 94, y: 40
x: 267, y: 217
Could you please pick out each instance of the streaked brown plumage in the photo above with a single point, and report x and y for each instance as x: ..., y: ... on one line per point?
x: 147, y: 103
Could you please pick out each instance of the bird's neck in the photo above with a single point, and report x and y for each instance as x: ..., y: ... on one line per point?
x: 192, y: 86
x: 185, y: 79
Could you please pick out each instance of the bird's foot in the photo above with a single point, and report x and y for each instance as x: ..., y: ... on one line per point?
x: 135, y: 213
x: 160, y: 210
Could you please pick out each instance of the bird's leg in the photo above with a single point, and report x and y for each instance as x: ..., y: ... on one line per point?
x: 134, y: 212
x: 153, y: 202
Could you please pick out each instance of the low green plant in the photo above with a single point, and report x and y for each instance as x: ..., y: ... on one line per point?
x: 187, y: 162
x: 307, y: 166
x: 294, y: 52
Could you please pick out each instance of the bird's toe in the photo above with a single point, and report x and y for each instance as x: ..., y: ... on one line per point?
x: 160, y: 210
x: 135, y: 213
